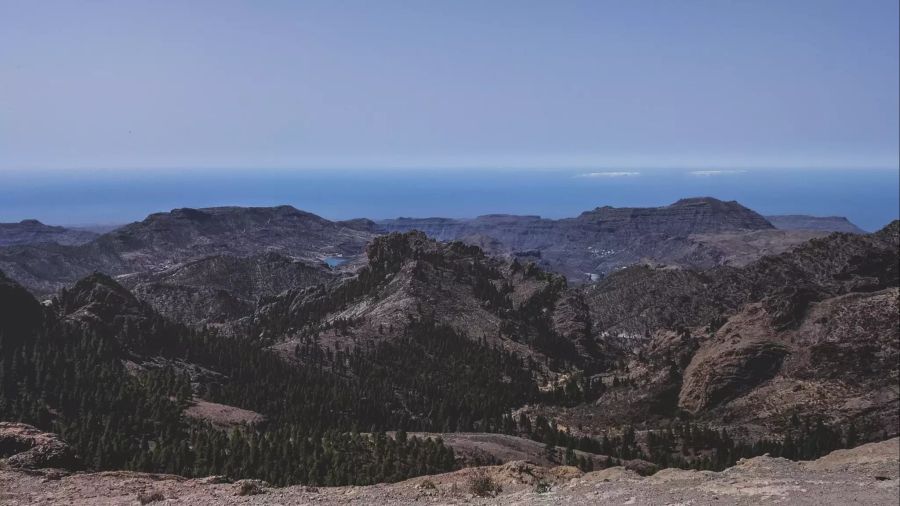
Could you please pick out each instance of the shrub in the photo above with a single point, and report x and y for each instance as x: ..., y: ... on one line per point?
x: 250, y: 487
x: 149, y: 497
x: 482, y: 485
x: 541, y: 487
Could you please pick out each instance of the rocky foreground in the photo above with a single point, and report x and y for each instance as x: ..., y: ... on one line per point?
x: 867, y: 474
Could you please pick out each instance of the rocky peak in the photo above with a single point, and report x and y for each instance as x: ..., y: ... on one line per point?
x: 890, y: 233
x: 685, y: 217
x: 388, y: 252
x: 361, y: 224
x: 26, y: 447
x: 210, y: 219
x: 20, y: 313
x: 97, y: 290
x: 99, y: 305
x: 706, y: 201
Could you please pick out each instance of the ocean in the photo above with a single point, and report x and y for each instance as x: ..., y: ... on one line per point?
x: 868, y: 197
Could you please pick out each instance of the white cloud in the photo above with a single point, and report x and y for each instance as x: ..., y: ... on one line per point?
x: 715, y: 172
x: 610, y: 174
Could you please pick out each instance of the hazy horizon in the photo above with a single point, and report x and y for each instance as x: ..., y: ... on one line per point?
x: 869, y: 198
x: 110, y: 111
x: 314, y: 84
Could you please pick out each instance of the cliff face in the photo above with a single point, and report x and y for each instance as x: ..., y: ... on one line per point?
x: 683, y: 218
x: 811, y: 332
x: 819, y: 223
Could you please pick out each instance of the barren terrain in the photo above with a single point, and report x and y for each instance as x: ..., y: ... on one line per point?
x: 864, y: 475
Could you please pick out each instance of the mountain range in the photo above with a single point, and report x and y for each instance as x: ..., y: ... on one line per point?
x: 702, y: 334
x: 698, y: 232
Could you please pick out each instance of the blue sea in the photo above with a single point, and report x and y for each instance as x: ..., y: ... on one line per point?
x: 867, y: 197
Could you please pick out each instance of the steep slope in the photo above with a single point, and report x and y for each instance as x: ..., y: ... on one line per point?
x: 410, y: 278
x: 820, y: 223
x: 794, y: 354
x: 820, y: 268
x: 121, y: 385
x: 811, y: 333
x: 222, y: 288
x: 34, y: 232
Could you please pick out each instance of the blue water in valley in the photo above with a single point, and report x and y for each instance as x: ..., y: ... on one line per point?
x: 335, y: 261
x: 868, y: 197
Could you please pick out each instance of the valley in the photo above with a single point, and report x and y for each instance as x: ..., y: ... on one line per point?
x: 272, y: 344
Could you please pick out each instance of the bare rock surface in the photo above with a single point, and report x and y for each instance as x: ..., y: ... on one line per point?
x: 222, y: 415
x: 864, y: 475
x: 25, y: 447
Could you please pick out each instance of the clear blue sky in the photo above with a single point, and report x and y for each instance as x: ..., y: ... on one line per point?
x: 123, y: 84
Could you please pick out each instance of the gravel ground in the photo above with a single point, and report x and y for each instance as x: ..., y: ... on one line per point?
x: 869, y: 474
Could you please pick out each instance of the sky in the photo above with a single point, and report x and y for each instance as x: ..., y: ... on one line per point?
x: 125, y: 85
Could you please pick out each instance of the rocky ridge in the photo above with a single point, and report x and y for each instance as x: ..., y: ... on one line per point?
x: 222, y: 288
x: 28, y: 232
x: 810, y: 332
x: 25, y: 447
x: 164, y: 240
x: 695, y: 232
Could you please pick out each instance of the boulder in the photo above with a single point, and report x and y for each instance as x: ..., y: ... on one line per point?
x: 26, y: 447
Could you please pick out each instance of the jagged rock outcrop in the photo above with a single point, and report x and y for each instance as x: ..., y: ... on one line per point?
x: 730, y: 364
x: 98, y: 304
x: 25, y: 447
x: 810, y: 332
x: 410, y: 277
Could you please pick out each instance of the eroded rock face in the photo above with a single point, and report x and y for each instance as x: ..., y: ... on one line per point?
x: 25, y: 447
x: 731, y: 364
